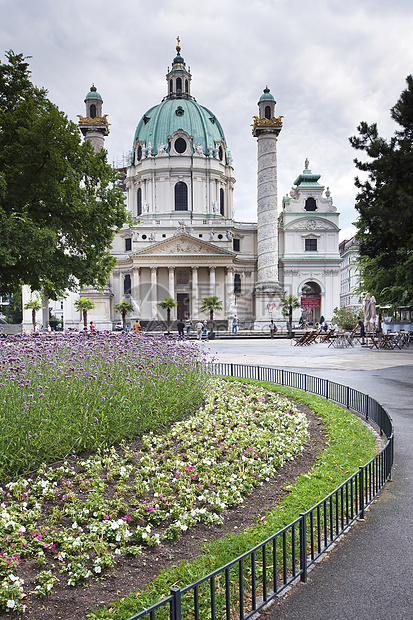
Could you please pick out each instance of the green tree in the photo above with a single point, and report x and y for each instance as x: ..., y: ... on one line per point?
x: 60, y: 204
x: 287, y: 305
x: 346, y: 318
x: 167, y: 304
x: 124, y: 307
x: 211, y: 304
x: 34, y: 305
x: 385, y: 206
x: 84, y: 305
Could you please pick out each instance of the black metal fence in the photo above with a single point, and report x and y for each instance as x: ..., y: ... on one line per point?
x: 252, y: 580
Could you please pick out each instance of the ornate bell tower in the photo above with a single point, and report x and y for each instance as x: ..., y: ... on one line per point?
x: 94, y: 126
x: 266, y: 129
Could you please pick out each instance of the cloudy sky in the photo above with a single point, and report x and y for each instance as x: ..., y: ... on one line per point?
x: 330, y: 64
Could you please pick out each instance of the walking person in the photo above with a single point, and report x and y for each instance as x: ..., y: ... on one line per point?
x: 235, y: 324
x: 199, y: 327
x: 360, y: 324
x: 188, y: 324
x: 181, y: 326
x: 205, y: 329
x: 273, y: 329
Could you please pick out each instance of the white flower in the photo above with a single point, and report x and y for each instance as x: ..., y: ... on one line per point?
x: 10, y: 603
x: 98, y: 569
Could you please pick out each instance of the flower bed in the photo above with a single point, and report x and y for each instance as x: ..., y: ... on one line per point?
x: 76, y: 517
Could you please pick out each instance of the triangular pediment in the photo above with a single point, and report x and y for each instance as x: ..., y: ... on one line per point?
x: 184, y: 245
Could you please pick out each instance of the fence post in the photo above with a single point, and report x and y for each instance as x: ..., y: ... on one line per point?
x: 348, y: 397
x: 303, y: 546
x: 361, y: 491
x: 232, y: 369
x: 176, y: 609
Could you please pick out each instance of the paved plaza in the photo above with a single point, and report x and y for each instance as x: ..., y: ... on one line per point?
x: 369, y: 575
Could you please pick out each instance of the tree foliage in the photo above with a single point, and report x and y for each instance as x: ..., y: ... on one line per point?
x: 346, y: 317
x: 385, y: 206
x: 60, y: 204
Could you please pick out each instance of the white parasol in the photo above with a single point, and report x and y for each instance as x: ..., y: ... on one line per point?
x: 373, y: 313
x: 367, y: 312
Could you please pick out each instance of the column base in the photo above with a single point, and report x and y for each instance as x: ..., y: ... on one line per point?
x: 267, y: 304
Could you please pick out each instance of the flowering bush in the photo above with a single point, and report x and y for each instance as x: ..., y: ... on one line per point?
x: 200, y: 467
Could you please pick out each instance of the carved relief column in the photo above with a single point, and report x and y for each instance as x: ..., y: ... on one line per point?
x: 212, y: 281
x: 171, y: 289
x: 154, y: 292
x: 195, y: 306
x: 266, y: 129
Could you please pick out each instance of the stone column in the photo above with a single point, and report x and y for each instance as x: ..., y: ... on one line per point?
x: 171, y: 289
x: 154, y: 292
x: 195, y: 306
x: 136, y: 292
x: 212, y: 281
x: 230, y: 291
x: 267, y: 290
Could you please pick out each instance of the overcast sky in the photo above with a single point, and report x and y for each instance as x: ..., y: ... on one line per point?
x: 330, y: 64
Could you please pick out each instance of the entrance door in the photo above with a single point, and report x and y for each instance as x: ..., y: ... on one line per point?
x: 183, y: 305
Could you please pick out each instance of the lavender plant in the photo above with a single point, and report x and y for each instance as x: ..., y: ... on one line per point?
x: 70, y: 393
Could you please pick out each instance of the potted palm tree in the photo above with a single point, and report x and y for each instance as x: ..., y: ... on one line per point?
x: 167, y: 304
x: 34, y: 305
x: 84, y: 305
x: 211, y: 304
x: 124, y: 307
x: 288, y: 304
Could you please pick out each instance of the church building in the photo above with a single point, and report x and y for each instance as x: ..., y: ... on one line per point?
x: 188, y: 244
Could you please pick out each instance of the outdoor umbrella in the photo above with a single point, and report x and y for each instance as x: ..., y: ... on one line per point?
x: 367, y: 312
x: 373, y: 312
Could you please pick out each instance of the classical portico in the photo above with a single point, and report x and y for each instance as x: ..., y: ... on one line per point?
x: 183, y: 268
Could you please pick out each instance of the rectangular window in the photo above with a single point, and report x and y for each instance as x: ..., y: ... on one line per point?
x: 311, y: 245
x: 235, y: 245
x: 128, y: 244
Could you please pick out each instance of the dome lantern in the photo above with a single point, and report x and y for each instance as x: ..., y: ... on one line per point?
x: 178, y: 78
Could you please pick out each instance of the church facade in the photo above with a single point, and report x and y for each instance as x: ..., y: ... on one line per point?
x: 187, y: 243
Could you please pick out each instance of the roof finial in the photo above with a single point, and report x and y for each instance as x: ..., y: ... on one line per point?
x: 306, y: 163
x: 178, y: 47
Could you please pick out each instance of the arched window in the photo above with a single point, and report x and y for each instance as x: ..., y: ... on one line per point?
x: 127, y: 285
x: 139, y: 153
x: 310, y: 204
x: 221, y: 201
x: 139, y: 201
x: 178, y: 85
x: 181, y: 196
x: 171, y: 86
x: 93, y: 111
x: 267, y: 111
x: 237, y: 284
x: 186, y: 86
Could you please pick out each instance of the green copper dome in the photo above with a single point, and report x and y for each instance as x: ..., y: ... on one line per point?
x: 93, y: 94
x: 266, y: 96
x: 161, y: 121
